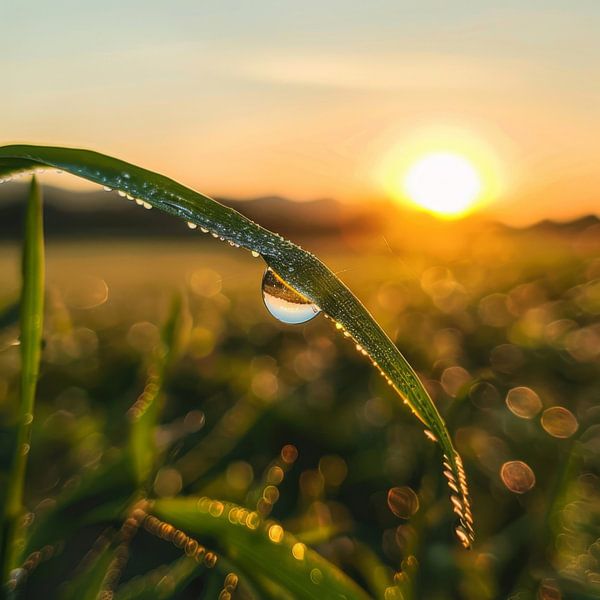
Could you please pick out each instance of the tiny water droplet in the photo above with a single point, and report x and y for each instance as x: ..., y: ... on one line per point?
x: 203, y: 230
x: 430, y: 435
x: 27, y: 418
x: 463, y: 536
x: 284, y: 302
x: 147, y: 205
x: 192, y: 225
x: 106, y: 188
x: 25, y: 449
x: 255, y: 254
x: 122, y: 193
x: 139, y: 202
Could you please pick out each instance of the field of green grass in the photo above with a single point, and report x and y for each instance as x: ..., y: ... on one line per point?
x: 293, y: 423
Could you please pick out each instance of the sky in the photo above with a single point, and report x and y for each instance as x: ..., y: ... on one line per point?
x: 317, y: 99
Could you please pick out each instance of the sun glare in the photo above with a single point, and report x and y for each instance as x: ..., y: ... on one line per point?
x: 443, y: 183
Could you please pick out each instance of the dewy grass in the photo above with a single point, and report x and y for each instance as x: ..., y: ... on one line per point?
x: 31, y: 319
x: 298, y: 268
x: 257, y: 545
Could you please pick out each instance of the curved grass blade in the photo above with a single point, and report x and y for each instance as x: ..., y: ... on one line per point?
x: 31, y: 318
x: 300, y: 269
x: 260, y: 548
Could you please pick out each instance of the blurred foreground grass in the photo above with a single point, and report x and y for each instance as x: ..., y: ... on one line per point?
x: 292, y: 421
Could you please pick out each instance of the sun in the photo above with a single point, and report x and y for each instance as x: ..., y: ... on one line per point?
x: 444, y: 183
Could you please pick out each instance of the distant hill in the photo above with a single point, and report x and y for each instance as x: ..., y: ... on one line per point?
x: 97, y: 213
x: 70, y: 214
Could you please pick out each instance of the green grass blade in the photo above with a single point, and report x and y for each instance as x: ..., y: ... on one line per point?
x: 300, y: 269
x: 146, y: 411
x: 258, y: 549
x: 31, y: 319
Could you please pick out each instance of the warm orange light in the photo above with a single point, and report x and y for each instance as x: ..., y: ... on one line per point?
x: 443, y: 183
x: 446, y: 170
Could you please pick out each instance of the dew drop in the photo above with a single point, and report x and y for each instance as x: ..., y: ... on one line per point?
x: 122, y: 193
x: 147, y: 205
x: 284, y: 302
x: 203, y: 230
x: 27, y: 418
x: 106, y: 188
x: 430, y: 435
x: 255, y: 254
x: 192, y: 225
x: 463, y: 536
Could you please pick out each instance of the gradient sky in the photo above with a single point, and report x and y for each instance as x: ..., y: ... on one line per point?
x: 315, y: 99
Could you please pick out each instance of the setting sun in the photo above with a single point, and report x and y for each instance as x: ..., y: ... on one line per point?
x: 443, y: 183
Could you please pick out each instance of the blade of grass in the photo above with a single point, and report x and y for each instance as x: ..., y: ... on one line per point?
x: 146, y: 411
x: 31, y: 319
x: 300, y: 269
x: 260, y: 548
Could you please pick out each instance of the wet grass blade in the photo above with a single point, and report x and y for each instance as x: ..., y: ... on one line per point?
x: 31, y: 320
x: 260, y: 548
x: 300, y: 269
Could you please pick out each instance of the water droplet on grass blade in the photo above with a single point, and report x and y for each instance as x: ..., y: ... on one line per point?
x: 284, y: 302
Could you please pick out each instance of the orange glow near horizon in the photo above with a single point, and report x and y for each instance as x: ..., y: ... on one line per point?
x: 447, y: 172
x: 443, y: 183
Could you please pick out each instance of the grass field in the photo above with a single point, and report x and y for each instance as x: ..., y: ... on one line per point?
x: 503, y: 315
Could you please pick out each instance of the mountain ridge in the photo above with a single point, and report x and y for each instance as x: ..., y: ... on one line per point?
x: 67, y: 214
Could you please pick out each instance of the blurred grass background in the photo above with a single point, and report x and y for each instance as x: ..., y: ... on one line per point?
x: 476, y: 322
